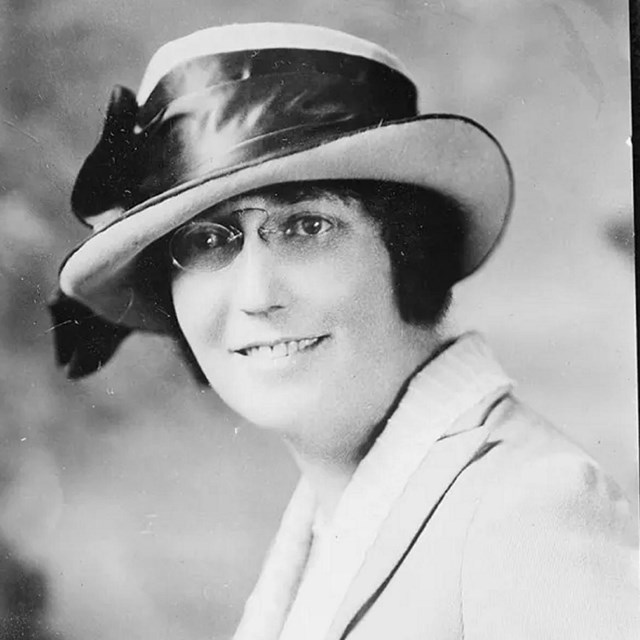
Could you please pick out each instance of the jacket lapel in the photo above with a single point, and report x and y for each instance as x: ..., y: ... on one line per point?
x: 432, y: 436
x: 440, y: 468
x: 433, y: 433
x: 266, y: 609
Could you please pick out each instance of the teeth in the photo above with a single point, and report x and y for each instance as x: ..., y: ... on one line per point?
x: 292, y: 347
x: 281, y: 349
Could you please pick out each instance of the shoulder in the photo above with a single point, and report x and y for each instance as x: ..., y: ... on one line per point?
x: 550, y: 550
x: 535, y: 478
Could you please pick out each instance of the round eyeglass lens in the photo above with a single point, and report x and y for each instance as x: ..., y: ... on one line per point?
x: 204, y: 246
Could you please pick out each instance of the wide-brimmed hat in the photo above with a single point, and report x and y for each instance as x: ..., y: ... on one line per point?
x: 230, y: 109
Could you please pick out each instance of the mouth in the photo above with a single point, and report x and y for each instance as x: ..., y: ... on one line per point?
x: 280, y: 348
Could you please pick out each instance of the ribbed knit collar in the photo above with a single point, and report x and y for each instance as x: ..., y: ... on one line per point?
x: 440, y: 396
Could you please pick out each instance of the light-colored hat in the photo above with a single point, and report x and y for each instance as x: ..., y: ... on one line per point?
x: 230, y: 109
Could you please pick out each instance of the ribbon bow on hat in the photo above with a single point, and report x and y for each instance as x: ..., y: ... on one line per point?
x: 83, y: 340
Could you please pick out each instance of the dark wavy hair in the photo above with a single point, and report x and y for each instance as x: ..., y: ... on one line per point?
x: 423, y: 231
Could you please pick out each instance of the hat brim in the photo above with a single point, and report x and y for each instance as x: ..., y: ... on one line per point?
x: 451, y: 154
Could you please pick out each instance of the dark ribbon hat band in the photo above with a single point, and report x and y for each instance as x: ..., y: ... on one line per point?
x: 218, y: 112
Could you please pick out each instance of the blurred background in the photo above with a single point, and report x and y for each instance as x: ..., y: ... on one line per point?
x: 133, y: 504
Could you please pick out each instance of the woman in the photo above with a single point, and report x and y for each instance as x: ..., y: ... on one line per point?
x: 272, y: 200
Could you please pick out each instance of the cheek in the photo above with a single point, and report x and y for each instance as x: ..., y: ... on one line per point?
x: 198, y: 303
x: 357, y: 287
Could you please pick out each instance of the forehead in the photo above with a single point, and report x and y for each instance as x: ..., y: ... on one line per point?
x: 284, y: 197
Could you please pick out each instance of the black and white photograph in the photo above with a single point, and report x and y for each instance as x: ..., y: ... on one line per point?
x: 317, y: 320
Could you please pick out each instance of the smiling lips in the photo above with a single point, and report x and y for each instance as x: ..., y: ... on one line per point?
x: 280, y: 349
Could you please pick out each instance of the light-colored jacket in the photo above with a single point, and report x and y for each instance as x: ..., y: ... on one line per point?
x: 504, y: 529
x: 507, y: 531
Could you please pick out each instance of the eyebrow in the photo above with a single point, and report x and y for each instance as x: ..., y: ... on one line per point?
x: 284, y: 194
x: 292, y: 193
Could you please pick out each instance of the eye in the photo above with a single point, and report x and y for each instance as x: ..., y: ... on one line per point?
x: 195, y: 245
x: 308, y: 224
x: 208, y: 238
x: 205, y: 236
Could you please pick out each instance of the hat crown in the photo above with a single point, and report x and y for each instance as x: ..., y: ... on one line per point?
x: 254, y: 37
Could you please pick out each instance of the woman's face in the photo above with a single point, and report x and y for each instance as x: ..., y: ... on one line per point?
x: 290, y: 312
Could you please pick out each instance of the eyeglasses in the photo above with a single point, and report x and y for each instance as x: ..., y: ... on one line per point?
x: 204, y: 245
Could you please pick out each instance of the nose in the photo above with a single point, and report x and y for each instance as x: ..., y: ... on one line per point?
x: 259, y: 283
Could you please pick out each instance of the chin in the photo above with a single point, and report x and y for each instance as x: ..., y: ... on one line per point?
x: 276, y: 398
x: 272, y: 408
x: 279, y: 417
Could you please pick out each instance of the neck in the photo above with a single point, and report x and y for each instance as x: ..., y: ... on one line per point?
x: 329, y: 466
x: 329, y: 479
